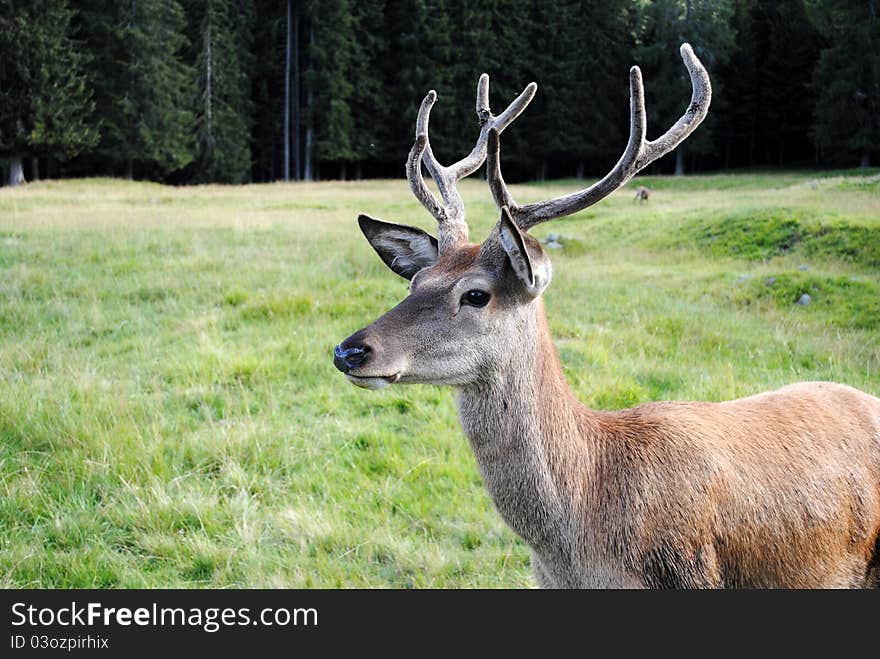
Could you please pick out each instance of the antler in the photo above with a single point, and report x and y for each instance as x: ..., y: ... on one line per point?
x: 449, y: 214
x: 639, y: 152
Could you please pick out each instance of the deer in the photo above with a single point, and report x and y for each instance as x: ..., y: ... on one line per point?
x: 776, y: 490
x: 642, y: 194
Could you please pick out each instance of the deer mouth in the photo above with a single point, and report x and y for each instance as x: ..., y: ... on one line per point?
x: 372, y: 382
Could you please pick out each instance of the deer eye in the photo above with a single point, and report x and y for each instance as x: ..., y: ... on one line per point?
x: 476, y: 298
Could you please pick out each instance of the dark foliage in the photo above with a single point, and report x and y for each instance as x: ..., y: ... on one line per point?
x: 194, y: 90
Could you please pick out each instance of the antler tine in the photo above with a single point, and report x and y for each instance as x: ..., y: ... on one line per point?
x: 471, y: 163
x: 701, y: 96
x: 639, y: 152
x: 450, y: 213
x: 416, y: 156
x: 500, y: 193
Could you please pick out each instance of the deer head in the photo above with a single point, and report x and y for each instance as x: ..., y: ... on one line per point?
x: 472, y: 306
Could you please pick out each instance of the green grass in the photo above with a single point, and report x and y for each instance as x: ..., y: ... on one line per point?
x: 169, y: 412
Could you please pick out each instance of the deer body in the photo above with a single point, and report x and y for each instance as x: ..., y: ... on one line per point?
x: 776, y: 490
x: 642, y: 194
x: 781, y: 489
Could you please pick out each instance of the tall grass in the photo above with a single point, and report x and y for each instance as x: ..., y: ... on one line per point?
x: 169, y: 412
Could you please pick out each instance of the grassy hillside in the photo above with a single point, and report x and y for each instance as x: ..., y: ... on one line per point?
x: 170, y: 415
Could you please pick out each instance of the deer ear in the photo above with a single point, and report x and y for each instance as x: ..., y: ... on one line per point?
x: 525, y: 254
x: 405, y: 250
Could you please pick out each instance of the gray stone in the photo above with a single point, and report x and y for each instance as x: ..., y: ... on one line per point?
x: 804, y: 299
x: 803, y: 268
x: 552, y: 244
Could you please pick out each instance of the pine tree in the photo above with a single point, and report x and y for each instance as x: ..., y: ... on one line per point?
x: 582, y: 60
x: 194, y: 90
x: 288, y: 58
x: 267, y: 91
x: 220, y: 34
x: 145, y: 92
x: 663, y: 25
x: 514, y: 61
x: 45, y: 99
x: 418, y: 46
x: 847, y: 79
x: 604, y: 57
x: 737, y: 123
x: 785, y: 42
x: 459, y: 35
x: 554, y: 61
x: 328, y: 86
x: 370, y: 115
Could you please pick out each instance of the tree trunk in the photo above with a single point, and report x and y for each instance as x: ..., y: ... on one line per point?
x: 209, y: 101
x: 307, y: 169
x: 310, y: 136
x: 287, y: 99
x: 753, y: 135
x: 358, y: 171
x: 866, y: 158
x: 343, y: 171
x: 35, y: 169
x: 16, y: 171
x: 679, y: 161
x: 579, y: 173
x: 297, y: 170
x: 129, y: 169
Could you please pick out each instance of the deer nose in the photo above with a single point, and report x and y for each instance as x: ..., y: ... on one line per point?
x: 346, y: 359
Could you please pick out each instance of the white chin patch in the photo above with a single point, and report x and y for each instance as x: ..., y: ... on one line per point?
x: 372, y: 383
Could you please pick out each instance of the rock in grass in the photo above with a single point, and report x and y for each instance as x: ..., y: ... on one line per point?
x: 553, y: 241
x: 804, y: 299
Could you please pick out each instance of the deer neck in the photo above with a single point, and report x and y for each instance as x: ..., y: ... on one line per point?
x: 529, y: 434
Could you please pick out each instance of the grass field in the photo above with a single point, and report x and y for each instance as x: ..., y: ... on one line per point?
x: 170, y: 415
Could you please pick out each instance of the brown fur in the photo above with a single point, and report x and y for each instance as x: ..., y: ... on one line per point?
x: 642, y: 194
x: 781, y: 489
x: 776, y: 490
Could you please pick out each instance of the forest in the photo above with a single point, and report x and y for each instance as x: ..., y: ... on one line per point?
x: 236, y: 91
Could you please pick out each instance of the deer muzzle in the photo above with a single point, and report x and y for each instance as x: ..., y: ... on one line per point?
x: 353, y: 356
